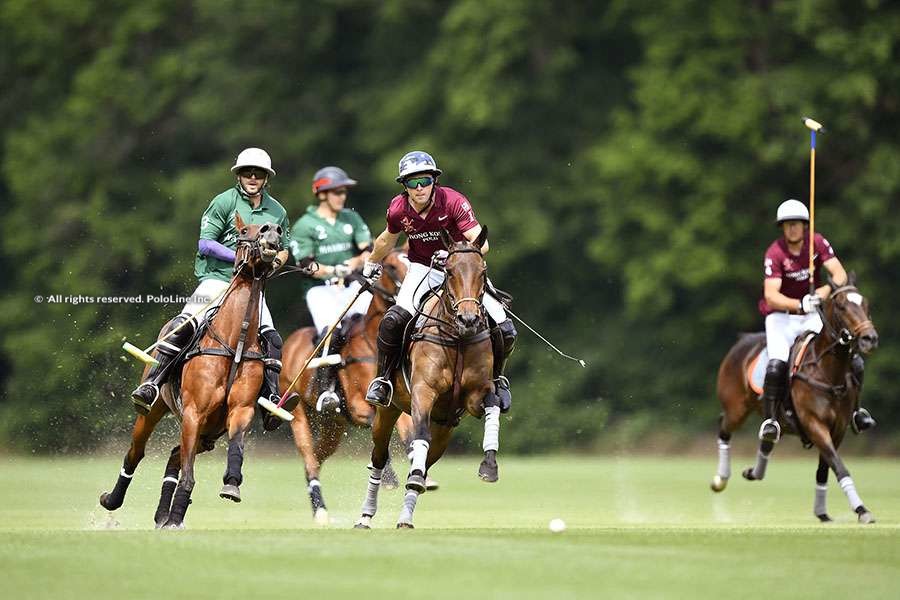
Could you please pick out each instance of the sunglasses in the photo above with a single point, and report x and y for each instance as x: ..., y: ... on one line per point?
x: 414, y: 182
x: 338, y: 192
x: 253, y: 173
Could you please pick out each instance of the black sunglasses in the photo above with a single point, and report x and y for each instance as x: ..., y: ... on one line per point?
x: 257, y: 173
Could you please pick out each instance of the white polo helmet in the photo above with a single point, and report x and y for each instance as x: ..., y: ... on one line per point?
x: 792, y: 210
x: 253, y: 157
x: 417, y: 162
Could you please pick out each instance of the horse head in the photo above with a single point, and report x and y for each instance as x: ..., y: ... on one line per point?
x: 257, y: 246
x: 464, y: 283
x: 847, y: 313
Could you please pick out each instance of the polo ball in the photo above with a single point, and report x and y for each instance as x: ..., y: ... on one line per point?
x: 557, y: 525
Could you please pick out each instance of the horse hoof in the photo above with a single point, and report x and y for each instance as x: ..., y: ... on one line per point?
x: 866, y: 518
x: 488, y: 472
x: 431, y: 484
x: 364, y: 522
x: 321, y: 517
x: 160, y: 523
x: 718, y: 483
x: 748, y: 474
x: 405, y: 526
x: 416, y: 483
x: 175, y: 526
x: 230, y: 492
x: 824, y: 518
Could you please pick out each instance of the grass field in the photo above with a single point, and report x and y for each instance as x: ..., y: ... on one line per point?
x: 637, y: 527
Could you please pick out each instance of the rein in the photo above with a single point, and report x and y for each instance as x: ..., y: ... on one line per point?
x: 845, y: 338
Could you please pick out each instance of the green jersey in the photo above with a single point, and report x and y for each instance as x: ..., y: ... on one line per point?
x: 218, y: 224
x: 329, y: 243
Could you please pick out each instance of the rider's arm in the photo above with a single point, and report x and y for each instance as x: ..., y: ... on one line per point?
x: 838, y: 276
x: 776, y: 300
x: 215, y: 249
x: 383, y: 245
x: 472, y: 235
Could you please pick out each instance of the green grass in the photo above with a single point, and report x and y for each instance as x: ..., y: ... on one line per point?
x: 637, y: 527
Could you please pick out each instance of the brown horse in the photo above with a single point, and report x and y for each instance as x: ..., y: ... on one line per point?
x: 450, y: 364
x: 823, y: 394
x: 317, y: 435
x: 226, y: 367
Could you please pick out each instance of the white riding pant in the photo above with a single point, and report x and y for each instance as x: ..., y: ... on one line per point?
x: 411, y: 292
x: 326, y: 302
x: 209, y: 289
x: 782, y: 329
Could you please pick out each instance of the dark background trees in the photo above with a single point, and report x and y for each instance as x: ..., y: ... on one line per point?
x: 628, y: 158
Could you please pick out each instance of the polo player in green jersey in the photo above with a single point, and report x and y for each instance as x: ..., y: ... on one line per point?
x: 213, y: 267
x: 339, y: 241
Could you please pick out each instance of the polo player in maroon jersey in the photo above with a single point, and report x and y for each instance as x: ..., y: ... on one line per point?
x: 791, y: 310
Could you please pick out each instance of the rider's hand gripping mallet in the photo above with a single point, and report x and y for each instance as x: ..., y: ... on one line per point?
x: 814, y: 127
x: 276, y: 409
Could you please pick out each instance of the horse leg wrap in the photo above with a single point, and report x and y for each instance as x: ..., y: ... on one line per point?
x: 819, y: 507
x: 179, y: 505
x: 724, y: 470
x: 370, y: 504
x: 491, y: 429
x: 419, y: 454
x: 165, y: 499
x: 850, y: 490
x: 315, y: 495
x: 116, y: 497
x: 409, y: 507
x: 233, y: 473
x: 762, y: 460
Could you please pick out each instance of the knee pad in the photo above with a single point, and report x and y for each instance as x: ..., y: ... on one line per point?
x: 390, y: 331
x: 776, y: 370
x: 273, y: 342
x: 508, y: 329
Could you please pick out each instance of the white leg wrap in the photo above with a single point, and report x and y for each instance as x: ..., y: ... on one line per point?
x: 491, y: 429
x: 819, y: 507
x: 409, y: 507
x: 850, y: 490
x: 124, y: 474
x: 724, y: 470
x: 420, y: 454
x: 762, y: 461
x: 370, y: 504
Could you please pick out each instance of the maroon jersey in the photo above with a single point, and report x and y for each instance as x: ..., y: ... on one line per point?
x: 450, y: 211
x: 793, y: 270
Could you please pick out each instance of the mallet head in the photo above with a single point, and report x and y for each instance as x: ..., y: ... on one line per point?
x: 814, y: 125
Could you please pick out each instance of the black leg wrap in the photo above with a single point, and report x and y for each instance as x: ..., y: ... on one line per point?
x: 179, y: 506
x: 233, y: 473
x: 315, y: 498
x: 170, y: 482
x: 116, y: 498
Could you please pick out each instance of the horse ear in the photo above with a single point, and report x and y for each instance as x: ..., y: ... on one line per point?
x: 238, y: 221
x: 482, y: 237
x: 851, y: 278
x: 446, y: 239
x: 830, y: 280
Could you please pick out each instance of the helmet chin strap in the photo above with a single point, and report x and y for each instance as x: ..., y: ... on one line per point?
x: 247, y: 195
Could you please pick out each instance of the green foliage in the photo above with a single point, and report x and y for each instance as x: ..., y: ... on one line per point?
x: 627, y: 158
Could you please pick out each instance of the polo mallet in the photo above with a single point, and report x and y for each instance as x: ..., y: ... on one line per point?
x: 276, y: 409
x: 144, y: 355
x: 814, y: 127
x: 545, y: 340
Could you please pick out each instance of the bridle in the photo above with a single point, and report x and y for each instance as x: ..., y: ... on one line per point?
x: 451, y: 304
x: 847, y: 337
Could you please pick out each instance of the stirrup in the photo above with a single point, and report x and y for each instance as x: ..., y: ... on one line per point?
x: 766, y: 433
x: 328, y: 400
x: 141, y: 404
x: 372, y: 396
x: 862, y: 420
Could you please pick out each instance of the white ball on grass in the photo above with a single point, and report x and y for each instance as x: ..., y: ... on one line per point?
x: 557, y: 525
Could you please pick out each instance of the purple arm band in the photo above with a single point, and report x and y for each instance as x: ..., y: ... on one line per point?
x: 216, y: 250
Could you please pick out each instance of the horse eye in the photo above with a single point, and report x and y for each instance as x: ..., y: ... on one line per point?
x: 278, y: 230
x: 244, y: 231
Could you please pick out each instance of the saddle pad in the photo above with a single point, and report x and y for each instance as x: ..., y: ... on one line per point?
x: 756, y: 370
